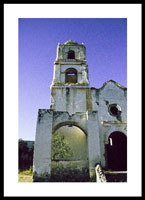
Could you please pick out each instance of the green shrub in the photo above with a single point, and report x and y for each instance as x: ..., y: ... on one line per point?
x: 61, y: 149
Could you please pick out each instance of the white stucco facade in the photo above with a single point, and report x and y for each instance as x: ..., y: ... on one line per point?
x: 97, y: 112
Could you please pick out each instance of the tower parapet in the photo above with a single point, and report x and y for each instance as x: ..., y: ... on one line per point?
x: 71, y: 51
x: 70, y: 66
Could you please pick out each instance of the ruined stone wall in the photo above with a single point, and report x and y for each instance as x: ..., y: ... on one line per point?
x: 70, y: 171
x: 111, y: 93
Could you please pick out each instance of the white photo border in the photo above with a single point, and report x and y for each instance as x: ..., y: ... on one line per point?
x: 12, y: 12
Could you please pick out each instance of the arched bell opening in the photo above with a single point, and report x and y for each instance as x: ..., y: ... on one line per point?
x: 71, y: 54
x: 71, y: 75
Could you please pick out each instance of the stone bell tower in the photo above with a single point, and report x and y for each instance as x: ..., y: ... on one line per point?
x: 69, y: 89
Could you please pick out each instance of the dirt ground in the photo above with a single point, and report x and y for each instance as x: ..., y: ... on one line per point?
x: 24, y: 178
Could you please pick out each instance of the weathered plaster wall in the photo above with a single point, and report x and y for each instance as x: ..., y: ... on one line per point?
x: 93, y: 141
x: 42, y: 146
x: 110, y: 93
x: 78, y: 119
x: 71, y: 171
x: 71, y: 98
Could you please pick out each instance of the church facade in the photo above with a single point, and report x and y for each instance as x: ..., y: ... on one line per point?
x: 93, y: 121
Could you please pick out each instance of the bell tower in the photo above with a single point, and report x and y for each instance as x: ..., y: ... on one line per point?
x: 73, y: 106
x: 70, y: 85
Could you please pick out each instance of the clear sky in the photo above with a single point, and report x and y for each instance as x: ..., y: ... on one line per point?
x: 106, y: 53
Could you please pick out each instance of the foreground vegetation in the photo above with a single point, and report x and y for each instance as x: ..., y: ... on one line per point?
x: 24, y: 178
x: 25, y: 175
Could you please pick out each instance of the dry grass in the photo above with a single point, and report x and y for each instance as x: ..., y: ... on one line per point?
x: 24, y: 178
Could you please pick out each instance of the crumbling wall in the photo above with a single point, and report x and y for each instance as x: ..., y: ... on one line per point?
x: 70, y: 171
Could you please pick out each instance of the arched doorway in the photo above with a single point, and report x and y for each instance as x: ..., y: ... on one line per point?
x: 69, y: 155
x: 116, y: 152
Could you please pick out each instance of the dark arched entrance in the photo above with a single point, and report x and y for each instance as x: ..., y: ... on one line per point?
x: 116, y: 152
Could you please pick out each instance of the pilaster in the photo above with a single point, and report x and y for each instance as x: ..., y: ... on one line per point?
x: 42, y: 148
x: 93, y: 142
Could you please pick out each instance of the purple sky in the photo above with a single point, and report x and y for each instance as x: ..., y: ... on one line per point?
x: 106, y: 52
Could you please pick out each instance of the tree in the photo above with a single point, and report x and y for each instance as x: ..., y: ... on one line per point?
x: 61, y: 149
x: 25, y: 155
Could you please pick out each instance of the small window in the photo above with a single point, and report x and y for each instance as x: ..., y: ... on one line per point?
x: 114, y: 110
x: 71, y: 75
x: 71, y: 55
